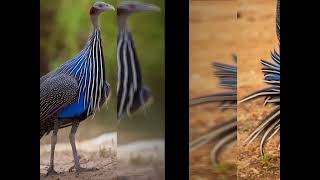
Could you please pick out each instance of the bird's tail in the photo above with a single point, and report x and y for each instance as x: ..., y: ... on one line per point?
x: 218, y: 97
x: 270, y: 125
x: 224, y: 134
x: 139, y: 100
x: 267, y: 129
x: 41, y: 134
x: 43, y: 129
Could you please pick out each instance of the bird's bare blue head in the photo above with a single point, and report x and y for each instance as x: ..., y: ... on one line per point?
x: 129, y: 7
x: 96, y: 9
x: 126, y: 8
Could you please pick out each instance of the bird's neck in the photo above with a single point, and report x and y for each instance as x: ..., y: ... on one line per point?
x: 95, y: 22
x: 123, y: 22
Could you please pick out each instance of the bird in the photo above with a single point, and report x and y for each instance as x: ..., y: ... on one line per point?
x: 270, y: 125
x: 132, y: 94
x: 226, y: 132
x: 75, y: 90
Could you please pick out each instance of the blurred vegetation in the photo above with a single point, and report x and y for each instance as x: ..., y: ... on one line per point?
x: 64, y: 29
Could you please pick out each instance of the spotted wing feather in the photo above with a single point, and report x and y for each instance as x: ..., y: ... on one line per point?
x: 55, y: 93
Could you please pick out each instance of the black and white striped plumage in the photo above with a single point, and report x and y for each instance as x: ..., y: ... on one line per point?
x: 75, y: 90
x: 131, y: 91
x: 84, y: 80
x: 132, y: 94
x: 226, y: 132
x: 270, y: 125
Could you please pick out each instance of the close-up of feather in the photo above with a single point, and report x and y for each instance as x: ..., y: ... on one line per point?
x: 212, y: 89
x: 226, y: 132
x: 221, y: 135
x: 259, y: 94
x: 270, y: 125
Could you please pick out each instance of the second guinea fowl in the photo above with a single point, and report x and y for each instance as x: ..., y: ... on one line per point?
x: 131, y: 91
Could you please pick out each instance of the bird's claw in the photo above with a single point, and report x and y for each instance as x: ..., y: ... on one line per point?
x: 51, y: 171
x: 81, y: 169
x: 71, y: 168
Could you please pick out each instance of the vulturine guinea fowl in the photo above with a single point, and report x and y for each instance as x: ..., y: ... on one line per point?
x: 226, y: 132
x: 270, y: 125
x: 75, y: 90
x: 132, y: 93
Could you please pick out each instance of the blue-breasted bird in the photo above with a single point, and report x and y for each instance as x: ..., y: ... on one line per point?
x: 226, y: 132
x: 131, y: 91
x: 75, y: 90
x: 270, y: 125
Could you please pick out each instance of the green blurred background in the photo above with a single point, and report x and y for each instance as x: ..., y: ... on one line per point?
x: 64, y: 29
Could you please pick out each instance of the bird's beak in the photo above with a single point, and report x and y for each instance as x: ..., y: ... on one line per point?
x: 110, y: 7
x: 147, y: 7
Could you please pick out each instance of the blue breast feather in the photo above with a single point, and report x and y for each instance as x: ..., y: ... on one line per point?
x: 74, y: 110
x: 76, y: 67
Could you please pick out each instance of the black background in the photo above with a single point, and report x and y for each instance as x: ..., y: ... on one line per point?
x: 19, y: 127
x: 300, y: 96
x: 177, y: 89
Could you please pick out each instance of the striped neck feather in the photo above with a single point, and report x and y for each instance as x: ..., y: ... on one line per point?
x: 88, y: 68
x: 130, y: 83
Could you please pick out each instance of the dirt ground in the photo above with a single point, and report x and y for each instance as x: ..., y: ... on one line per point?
x: 141, y: 160
x: 215, y: 33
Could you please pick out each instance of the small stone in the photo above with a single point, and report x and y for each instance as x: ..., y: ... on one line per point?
x: 254, y: 170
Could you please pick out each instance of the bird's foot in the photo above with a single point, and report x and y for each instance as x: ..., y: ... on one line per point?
x: 51, y: 171
x: 81, y: 169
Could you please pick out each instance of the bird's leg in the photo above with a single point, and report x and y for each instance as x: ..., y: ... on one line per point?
x: 54, y: 138
x: 77, y: 166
